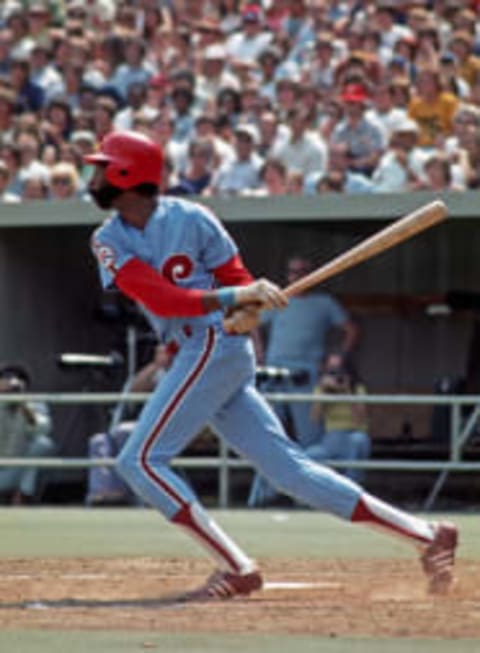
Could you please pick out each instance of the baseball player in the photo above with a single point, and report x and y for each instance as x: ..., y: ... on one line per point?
x: 176, y: 260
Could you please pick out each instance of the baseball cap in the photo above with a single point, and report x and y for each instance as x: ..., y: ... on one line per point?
x: 158, y: 81
x: 215, y: 52
x: 252, y: 13
x: 354, y: 93
x: 405, y: 125
x: 83, y: 136
x: 249, y: 130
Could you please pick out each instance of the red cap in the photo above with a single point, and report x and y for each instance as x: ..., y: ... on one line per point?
x: 252, y: 12
x: 354, y: 93
x: 160, y: 80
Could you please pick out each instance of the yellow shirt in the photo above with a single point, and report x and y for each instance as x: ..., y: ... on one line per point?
x: 434, y: 118
x: 469, y: 69
x: 339, y: 417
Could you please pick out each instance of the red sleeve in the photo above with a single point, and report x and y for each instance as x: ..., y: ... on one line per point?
x: 233, y: 273
x: 142, y: 283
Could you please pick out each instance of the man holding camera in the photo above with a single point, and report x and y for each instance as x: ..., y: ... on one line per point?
x: 345, y: 427
x: 24, y: 432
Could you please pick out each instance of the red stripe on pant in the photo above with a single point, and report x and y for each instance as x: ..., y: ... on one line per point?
x: 167, y: 413
x: 183, y: 516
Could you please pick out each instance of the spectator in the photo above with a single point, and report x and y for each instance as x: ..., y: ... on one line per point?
x: 230, y: 18
x: 383, y: 109
x: 385, y: 20
x: 243, y: 173
x: 304, y: 150
x: 205, y: 128
x: 136, y: 98
x: 58, y: 124
x: 161, y: 130
x: 295, y: 182
x: 43, y: 73
x: 104, y: 112
x: 273, y: 179
x: 7, y: 112
x: 331, y: 116
x: 438, y: 175
x: 206, y: 33
x: 269, y: 60
x: 6, y: 40
x: 16, y: 21
x: 25, y: 432
x: 184, y: 113
x: 450, y: 78
x: 198, y: 174
x: 64, y: 181
x: 245, y: 46
x: 30, y: 96
x: 401, y: 166
x: 38, y: 19
x: 344, y: 426
x: 29, y: 145
x: 227, y: 103
x: 286, y: 95
x: 432, y: 108
x: 10, y: 155
x: 324, y: 62
x: 363, y: 139
x: 6, y: 196
x: 214, y: 75
x: 134, y: 69
x: 468, y: 64
x: 339, y: 177
x: 298, y: 25
x: 272, y: 133
x: 35, y: 186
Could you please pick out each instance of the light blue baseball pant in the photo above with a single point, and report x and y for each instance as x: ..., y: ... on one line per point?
x: 212, y: 382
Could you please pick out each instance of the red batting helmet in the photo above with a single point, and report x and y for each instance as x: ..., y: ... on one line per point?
x: 130, y: 159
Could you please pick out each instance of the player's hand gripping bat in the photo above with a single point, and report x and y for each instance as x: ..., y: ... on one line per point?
x: 242, y: 320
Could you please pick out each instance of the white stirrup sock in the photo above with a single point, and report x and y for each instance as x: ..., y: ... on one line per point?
x: 226, y: 552
x: 384, y: 516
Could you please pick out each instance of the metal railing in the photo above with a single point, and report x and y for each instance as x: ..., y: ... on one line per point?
x: 224, y: 462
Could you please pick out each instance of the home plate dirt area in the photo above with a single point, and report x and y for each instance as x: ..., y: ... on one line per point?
x: 328, y: 597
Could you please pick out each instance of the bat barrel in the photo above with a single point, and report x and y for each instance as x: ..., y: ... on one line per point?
x: 419, y: 220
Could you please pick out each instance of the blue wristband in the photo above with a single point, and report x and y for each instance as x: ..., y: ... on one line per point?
x: 226, y: 297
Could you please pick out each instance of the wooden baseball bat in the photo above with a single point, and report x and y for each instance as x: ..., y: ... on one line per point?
x: 402, y: 229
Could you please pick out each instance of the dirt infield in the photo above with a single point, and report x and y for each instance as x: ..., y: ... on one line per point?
x: 331, y: 598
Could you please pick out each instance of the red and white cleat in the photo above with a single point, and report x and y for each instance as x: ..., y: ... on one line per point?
x: 438, y: 558
x: 224, y: 585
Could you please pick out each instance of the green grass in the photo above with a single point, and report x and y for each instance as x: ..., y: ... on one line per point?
x: 130, y: 532
x: 48, y: 532
x: 108, y: 642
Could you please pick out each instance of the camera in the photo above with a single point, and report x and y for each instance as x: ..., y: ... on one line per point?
x: 280, y: 374
x: 335, y: 379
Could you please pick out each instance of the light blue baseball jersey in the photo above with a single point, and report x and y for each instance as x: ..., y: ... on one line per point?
x: 182, y: 240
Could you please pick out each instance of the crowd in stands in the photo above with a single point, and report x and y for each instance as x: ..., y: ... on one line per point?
x: 246, y: 98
